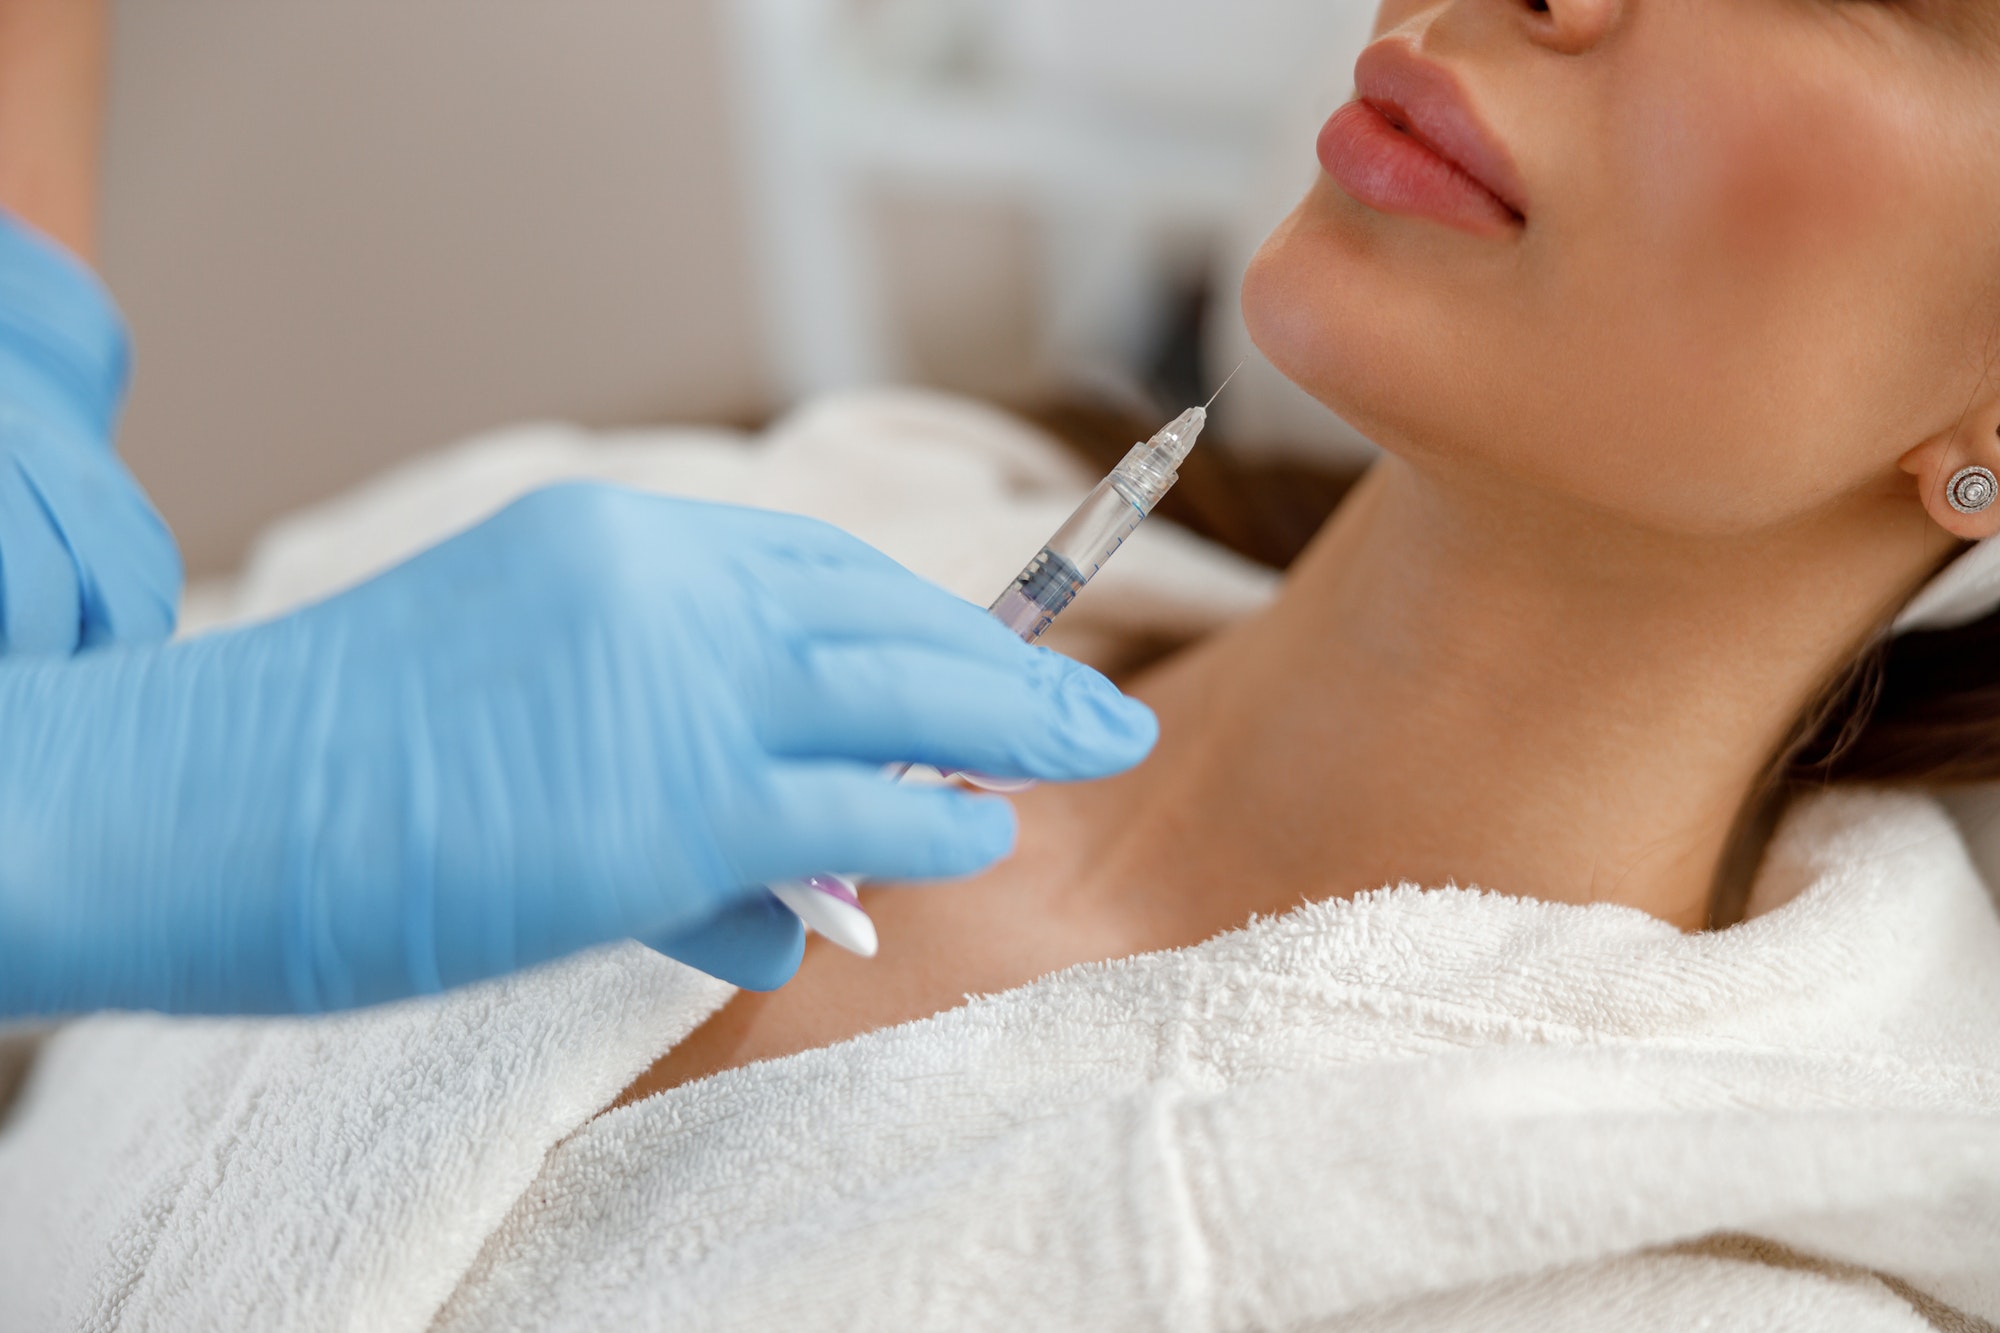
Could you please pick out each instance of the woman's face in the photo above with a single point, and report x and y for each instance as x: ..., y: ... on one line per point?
x: 1737, y: 257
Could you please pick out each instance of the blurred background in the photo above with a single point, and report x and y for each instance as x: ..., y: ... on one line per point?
x: 346, y: 231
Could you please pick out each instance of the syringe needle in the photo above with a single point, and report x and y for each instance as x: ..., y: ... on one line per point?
x: 1225, y: 384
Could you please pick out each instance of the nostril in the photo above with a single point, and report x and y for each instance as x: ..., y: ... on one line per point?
x: 1573, y: 27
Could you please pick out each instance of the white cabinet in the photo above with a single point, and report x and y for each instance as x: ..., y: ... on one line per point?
x: 1122, y: 128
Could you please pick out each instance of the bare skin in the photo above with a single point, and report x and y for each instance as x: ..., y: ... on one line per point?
x: 52, y: 62
x: 1662, y: 458
x: 1548, y: 738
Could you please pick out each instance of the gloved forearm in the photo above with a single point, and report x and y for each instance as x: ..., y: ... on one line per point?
x: 229, y: 825
x: 141, y: 813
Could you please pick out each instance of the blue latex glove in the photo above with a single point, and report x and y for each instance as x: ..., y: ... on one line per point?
x: 84, y: 560
x: 599, y: 715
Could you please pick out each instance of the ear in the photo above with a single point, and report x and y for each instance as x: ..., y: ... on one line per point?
x: 1974, y: 442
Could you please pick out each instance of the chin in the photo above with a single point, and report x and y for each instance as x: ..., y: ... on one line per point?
x: 1284, y: 295
x: 1403, y: 330
x: 1330, y: 301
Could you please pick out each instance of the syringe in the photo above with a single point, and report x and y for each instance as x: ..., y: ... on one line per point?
x: 1100, y: 525
x: 1038, y: 594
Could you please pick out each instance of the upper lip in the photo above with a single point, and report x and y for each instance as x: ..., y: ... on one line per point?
x: 1425, y: 100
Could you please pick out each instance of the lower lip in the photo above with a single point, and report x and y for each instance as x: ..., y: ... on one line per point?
x: 1391, y: 172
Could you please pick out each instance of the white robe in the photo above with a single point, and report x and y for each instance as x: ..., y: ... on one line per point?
x: 1414, y: 1110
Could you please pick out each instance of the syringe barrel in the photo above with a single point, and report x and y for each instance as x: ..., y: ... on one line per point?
x: 1043, y: 590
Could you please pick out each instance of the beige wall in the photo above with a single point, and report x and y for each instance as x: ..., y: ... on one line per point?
x: 347, y: 229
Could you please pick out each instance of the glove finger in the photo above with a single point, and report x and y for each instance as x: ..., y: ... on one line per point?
x: 1053, y: 719
x: 853, y: 819
x: 38, y: 574
x: 888, y: 604
x: 756, y: 945
x: 131, y: 572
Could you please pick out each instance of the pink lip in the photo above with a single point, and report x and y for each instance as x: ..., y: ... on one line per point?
x: 1411, y: 144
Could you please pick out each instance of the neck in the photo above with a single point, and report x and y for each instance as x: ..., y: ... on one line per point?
x: 1485, y: 689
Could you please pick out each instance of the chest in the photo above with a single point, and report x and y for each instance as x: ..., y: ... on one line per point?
x: 938, y: 946
x: 1059, y: 902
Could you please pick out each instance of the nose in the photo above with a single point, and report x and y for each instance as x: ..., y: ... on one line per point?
x: 1571, y: 26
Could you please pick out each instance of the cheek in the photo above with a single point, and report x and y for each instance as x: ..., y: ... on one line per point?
x: 1747, y: 172
x: 1792, y: 243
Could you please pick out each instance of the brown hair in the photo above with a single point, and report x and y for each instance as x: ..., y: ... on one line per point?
x: 1918, y: 709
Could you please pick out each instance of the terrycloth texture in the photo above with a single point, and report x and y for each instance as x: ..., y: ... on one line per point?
x: 1416, y: 1110
x: 1421, y: 1101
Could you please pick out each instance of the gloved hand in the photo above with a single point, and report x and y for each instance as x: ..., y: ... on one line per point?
x: 598, y: 715
x: 84, y: 560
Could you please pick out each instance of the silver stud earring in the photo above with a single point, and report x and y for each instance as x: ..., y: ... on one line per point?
x: 1972, y: 489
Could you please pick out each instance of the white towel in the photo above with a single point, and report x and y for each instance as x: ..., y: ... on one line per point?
x: 1388, y: 1106
x: 1416, y: 1110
